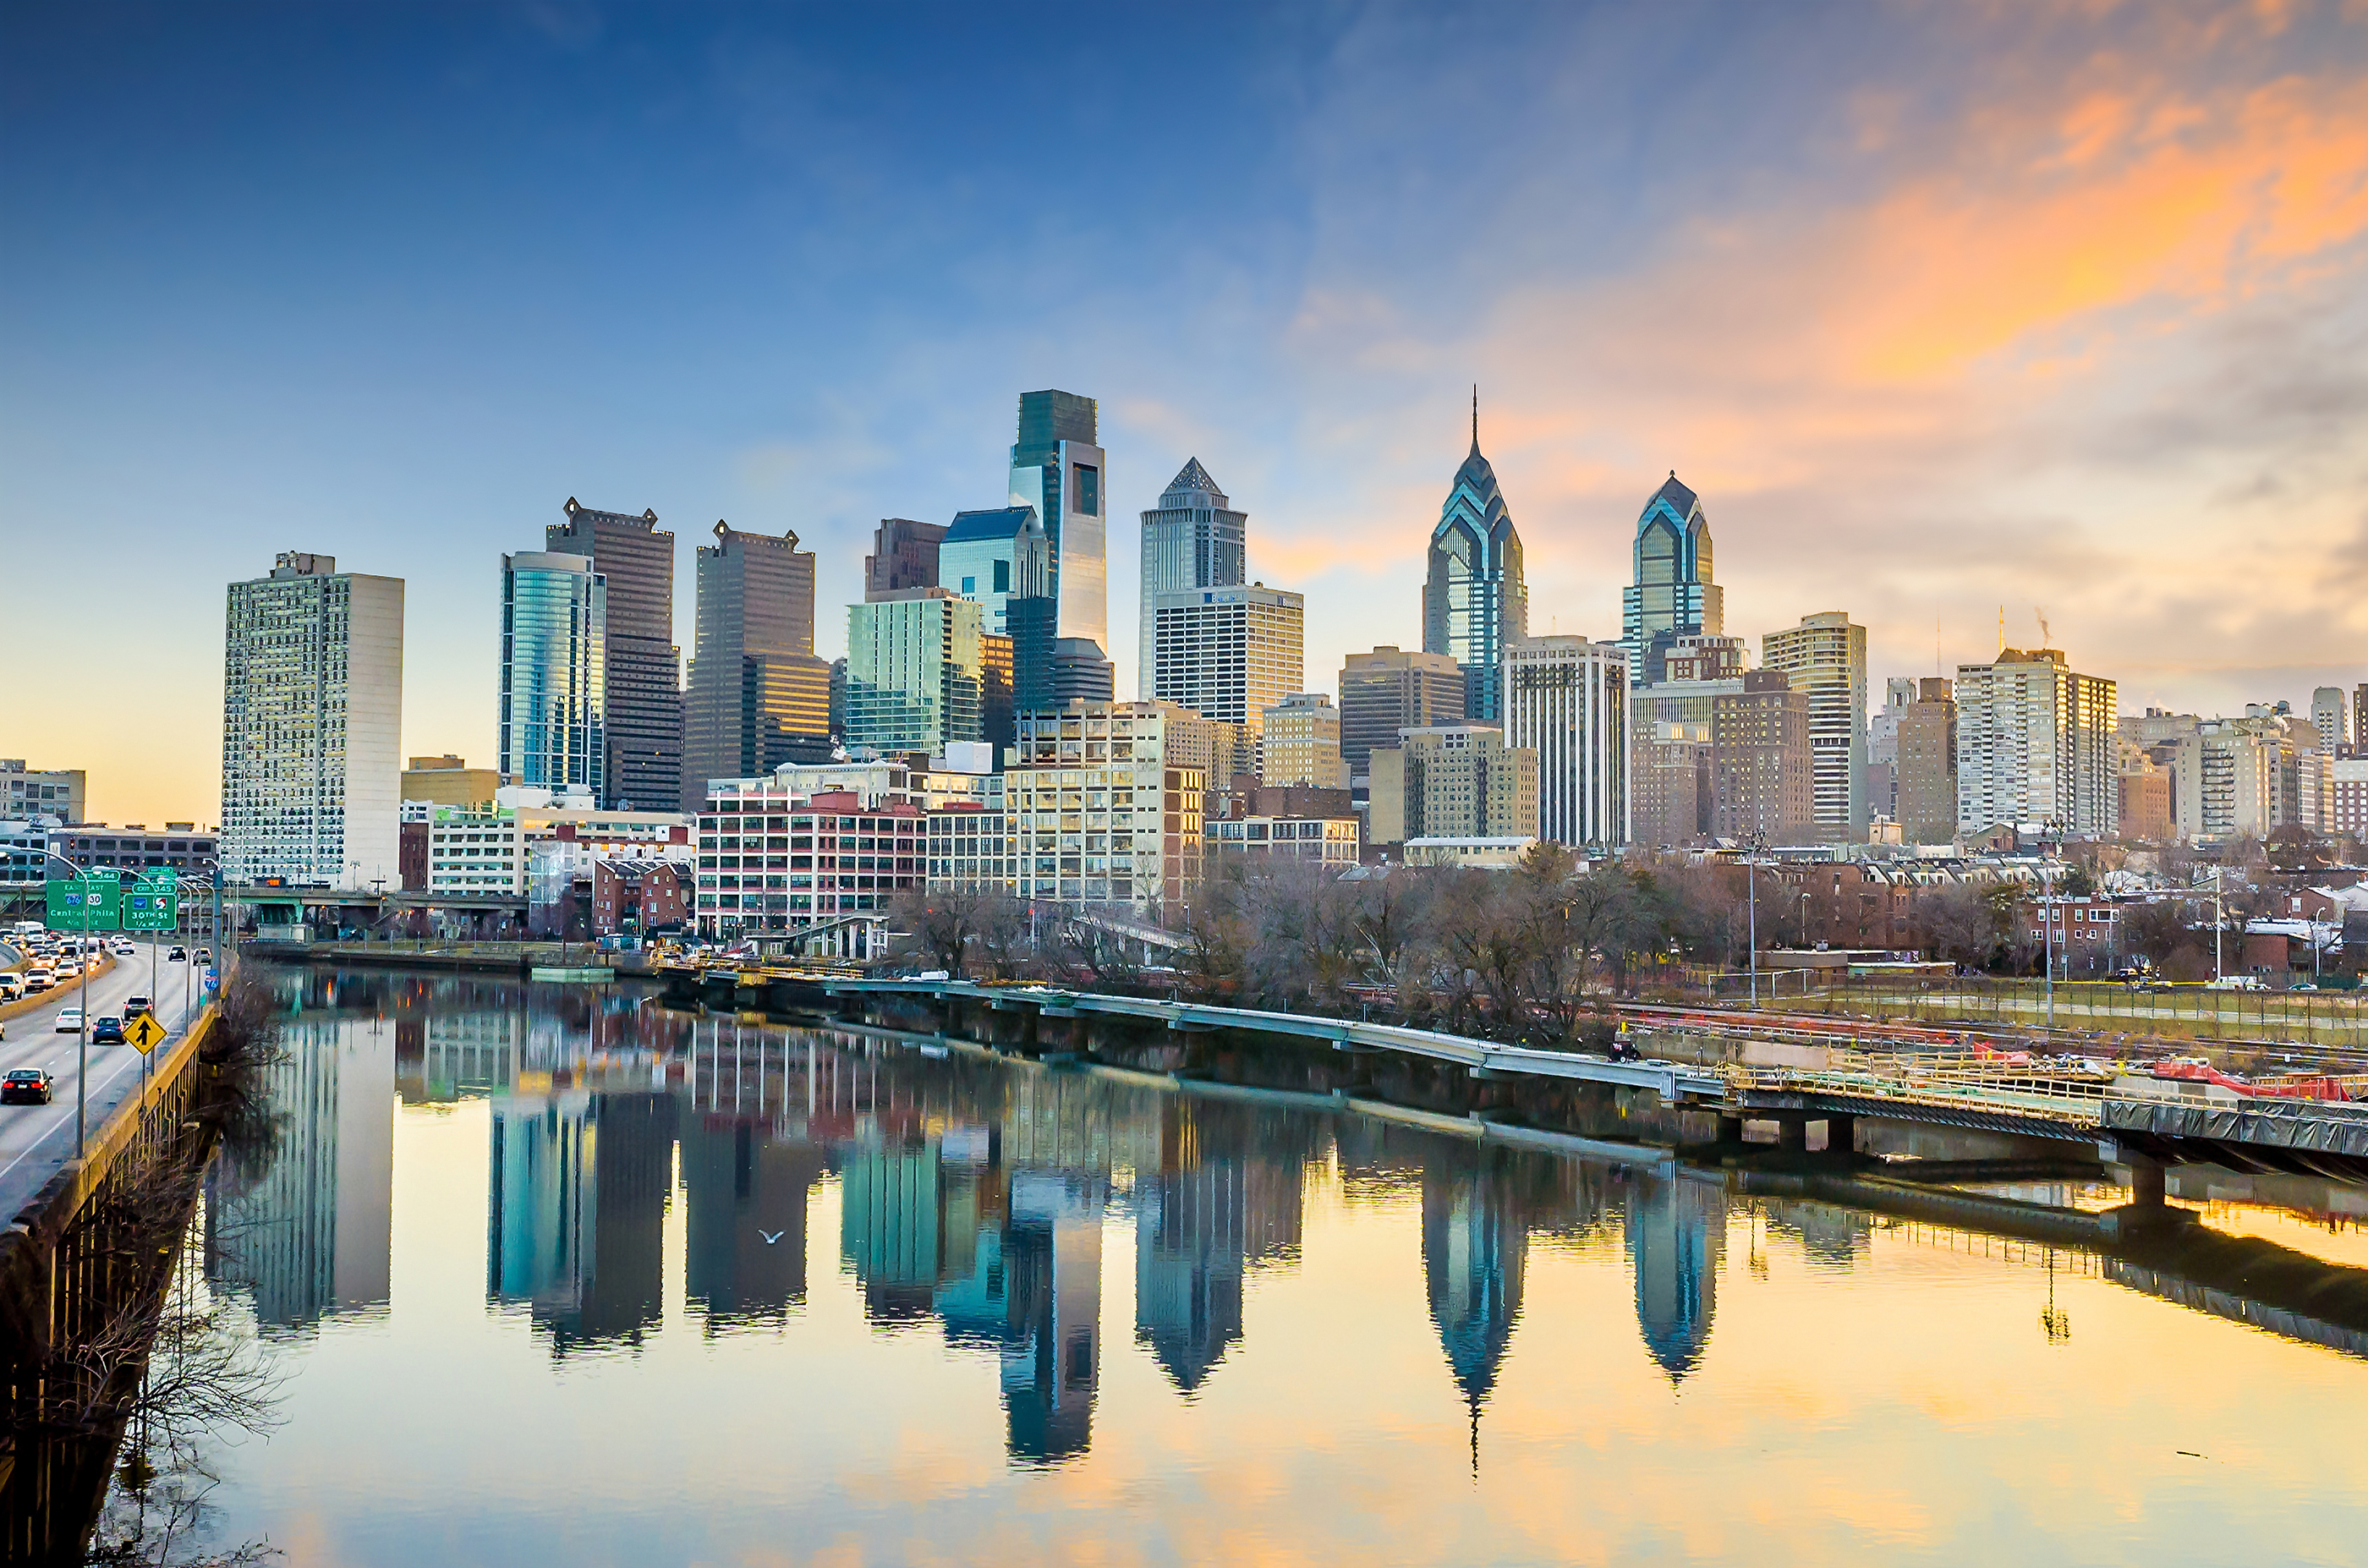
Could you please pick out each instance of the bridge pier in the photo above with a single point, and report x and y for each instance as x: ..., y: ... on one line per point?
x: 1841, y: 1134
x: 1730, y: 1128
x: 1792, y: 1134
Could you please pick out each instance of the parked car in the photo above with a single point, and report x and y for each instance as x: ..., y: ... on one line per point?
x: 107, y: 1030
x: 25, y: 1085
x: 68, y: 1022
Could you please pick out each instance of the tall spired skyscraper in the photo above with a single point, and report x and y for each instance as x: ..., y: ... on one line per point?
x: 1673, y: 595
x: 1191, y: 539
x: 1475, y: 600
x: 1057, y: 469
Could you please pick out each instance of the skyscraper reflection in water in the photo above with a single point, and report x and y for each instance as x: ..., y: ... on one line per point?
x: 746, y: 1189
x: 574, y: 1227
x: 303, y: 1224
x: 1212, y: 1211
x: 1675, y: 1234
x: 1474, y: 1251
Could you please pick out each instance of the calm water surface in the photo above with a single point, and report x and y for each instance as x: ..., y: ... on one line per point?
x: 553, y: 1277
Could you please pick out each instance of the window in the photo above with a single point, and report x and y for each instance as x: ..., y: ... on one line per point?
x: 1090, y: 490
x: 1002, y: 578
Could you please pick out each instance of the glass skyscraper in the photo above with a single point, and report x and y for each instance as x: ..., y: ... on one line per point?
x: 1058, y: 470
x: 1672, y: 595
x: 554, y: 672
x: 1475, y: 600
x: 1191, y: 539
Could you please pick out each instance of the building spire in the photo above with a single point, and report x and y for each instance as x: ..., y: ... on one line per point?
x: 1476, y: 419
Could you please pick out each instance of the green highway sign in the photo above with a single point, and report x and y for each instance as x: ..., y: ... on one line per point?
x: 152, y: 903
x: 91, y: 902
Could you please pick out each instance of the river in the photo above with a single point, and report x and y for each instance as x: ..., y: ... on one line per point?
x: 545, y: 1275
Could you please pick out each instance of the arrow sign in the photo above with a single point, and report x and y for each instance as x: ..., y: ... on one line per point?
x: 145, y: 1033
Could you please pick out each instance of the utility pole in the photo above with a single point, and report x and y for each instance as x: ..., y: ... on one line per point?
x: 1751, y: 890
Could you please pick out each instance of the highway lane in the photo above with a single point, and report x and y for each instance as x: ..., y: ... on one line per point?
x: 36, y: 1140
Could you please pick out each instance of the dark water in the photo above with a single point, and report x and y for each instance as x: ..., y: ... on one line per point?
x: 551, y: 1278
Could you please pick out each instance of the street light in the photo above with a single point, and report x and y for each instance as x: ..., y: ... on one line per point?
x: 82, y: 1001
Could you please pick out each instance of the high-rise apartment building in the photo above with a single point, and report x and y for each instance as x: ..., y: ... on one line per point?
x: 1191, y: 539
x: 759, y: 697
x: 642, y: 685
x: 1097, y: 809
x: 1475, y: 600
x: 1057, y: 469
x: 2329, y: 713
x: 1673, y: 594
x: 2035, y: 745
x: 916, y: 671
x: 1230, y: 654
x: 1299, y: 743
x: 552, y: 724
x: 1453, y: 782
x: 1762, y: 772
x: 1882, y: 748
x: 904, y: 555
x: 1672, y: 785
x: 1825, y: 658
x: 1926, y: 742
x: 312, y: 726
x: 1385, y: 691
x: 1567, y: 699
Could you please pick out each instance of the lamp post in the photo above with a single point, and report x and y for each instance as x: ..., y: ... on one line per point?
x: 1751, y: 895
x: 82, y: 1000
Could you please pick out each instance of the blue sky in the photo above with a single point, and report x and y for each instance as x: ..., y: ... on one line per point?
x: 1942, y: 308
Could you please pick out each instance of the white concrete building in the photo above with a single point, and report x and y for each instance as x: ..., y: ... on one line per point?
x: 471, y: 852
x: 312, y: 761
x: 1826, y: 657
x: 1230, y: 654
x: 1098, y: 810
x: 1567, y: 699
x: 2035, y: 745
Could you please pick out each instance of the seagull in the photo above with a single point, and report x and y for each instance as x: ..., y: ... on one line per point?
x: 773, y: 1237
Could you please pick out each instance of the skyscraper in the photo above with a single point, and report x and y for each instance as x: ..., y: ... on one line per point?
x: 642, y: 685
x: 995, y: 557
x: 1567, y: 699
x: 1385, y: 691
x: 1761, y: 772
x: 914, y: 671
x: 1825, y: 658
x: 2328, y: 711
x: 759, y: 697
x: 554, y: 669
x: 1673, y: 595
x: 1230, y: 654
x: 2036, y: 744
x: 1474, y: 599
x: 1928, y: 764
x: 1191, y: 539
x: 904, y: 555
x: 1058, y: 470
x: 312, y: 761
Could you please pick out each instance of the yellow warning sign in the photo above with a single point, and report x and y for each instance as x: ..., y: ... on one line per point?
x: 145, y: 1033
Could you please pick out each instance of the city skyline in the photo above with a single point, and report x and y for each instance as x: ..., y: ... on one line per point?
x: 2037, y: 312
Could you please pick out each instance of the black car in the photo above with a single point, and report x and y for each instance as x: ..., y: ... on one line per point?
x: 108, y: 1030
x: 179, y: 955
x: 25, y: 1085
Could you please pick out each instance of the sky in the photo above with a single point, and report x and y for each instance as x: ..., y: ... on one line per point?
x: 1950, y: 312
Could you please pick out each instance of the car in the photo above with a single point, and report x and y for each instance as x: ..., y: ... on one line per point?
x: 179, y: 955
x: 38, y: 981
x: 12, y: 987
x: 135, y: 1005
x: 107, y: 1030
x: 25, y: 1085
x: 68, y: 1022
x: 205, y: 955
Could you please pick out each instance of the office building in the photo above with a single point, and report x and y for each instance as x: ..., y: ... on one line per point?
x: 448, y: 780
x: 1762, y: 775
x: 1671, y: 786
x: 41, y: 792
x: 970, y: 846
x: 2035, y: 746
x: 1057, y: 470
x: 2331, y: 715
x: 812, y: 873
x: 1328, y: 842
x: 1299, y: 743
x: 1191, y: 539
x: 1673, y: 594
x: 1453, y: 782
x: 179, y: 847
x: 759, y: 697
x: 494, y: 853
x: 904, y: 556
x: 1882, y: 748
x: 997, y: 556
x: 555, y: 666
x: 2347, y: 786
x: 1825, y: 658
x: 1926, y: 743
x: 642, y: 685
x: 1231, y: 654
x: 1385, y: 691
x: 1100, y: 810
x: 312, y: 726
x: 996, y: 706
x: 916, y: 671
x: 1567, y: 699
x: 1474, y: 597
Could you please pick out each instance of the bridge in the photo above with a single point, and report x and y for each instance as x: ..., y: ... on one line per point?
x: 1704, y: 1087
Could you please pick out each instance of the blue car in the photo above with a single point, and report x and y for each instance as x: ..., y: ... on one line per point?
x: 108, y: 1030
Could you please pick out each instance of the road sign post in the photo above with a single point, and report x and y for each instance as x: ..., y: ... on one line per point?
x: 144, y: 1034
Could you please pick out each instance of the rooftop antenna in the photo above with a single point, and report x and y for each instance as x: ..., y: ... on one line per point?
x: 2002, y: 628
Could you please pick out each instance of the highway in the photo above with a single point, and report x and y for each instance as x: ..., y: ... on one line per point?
x: 36, y: 1140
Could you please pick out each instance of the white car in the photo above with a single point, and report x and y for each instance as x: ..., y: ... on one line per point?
x: 124, y: 950
x: 69, y: 1021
